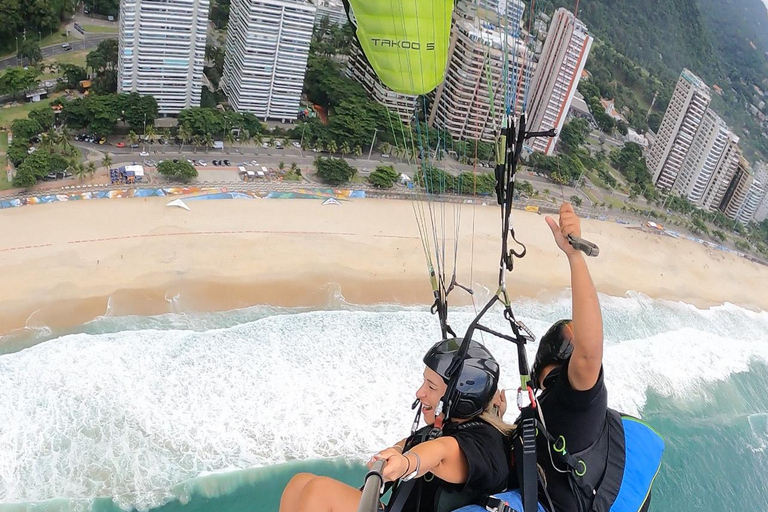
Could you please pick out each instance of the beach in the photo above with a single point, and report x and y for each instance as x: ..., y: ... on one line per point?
x: 66, y: 263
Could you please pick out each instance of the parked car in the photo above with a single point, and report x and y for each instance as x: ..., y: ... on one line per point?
x: 134, y: 146
x: 31, y: 150
x: 216, y: 162
x: 384, y: 155
x: 144, y: 153
x: 66, y: 47
x: 121, y: 144
x: 296, y: 144
x: 202, y: 163
x: 50, y: 176
x: 226, y: 163
x: 102, y: 141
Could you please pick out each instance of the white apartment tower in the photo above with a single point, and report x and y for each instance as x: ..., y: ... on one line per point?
x: 507, y: 13
x: 754, y: 196
x: 724, y: 171
x: 761, y: 213
x: 462, y: 102
x: 358, y: 68
x: 331, y: 9
x: 710, y: 163
x: 733, y: 199
x: 678, y: 128
x: 162, y: 51
x: 557, y: 76
x: 266, y: 57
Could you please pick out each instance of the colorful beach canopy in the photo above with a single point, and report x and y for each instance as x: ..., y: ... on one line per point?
x: 405, y: 41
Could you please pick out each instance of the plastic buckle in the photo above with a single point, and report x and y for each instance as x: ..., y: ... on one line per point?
x: 520, y: 398
x: 494, y: 504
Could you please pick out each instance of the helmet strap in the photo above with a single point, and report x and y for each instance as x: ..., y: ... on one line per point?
x: 416, y: 420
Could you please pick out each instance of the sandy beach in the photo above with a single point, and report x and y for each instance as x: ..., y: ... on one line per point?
x: 66, y: 263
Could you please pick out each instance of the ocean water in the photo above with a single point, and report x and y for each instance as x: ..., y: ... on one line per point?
x: 216, y: 411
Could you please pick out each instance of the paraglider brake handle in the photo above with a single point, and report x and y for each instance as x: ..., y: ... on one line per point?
x: 548, y: 133
x: 374, y: 481
x: 583, y: 245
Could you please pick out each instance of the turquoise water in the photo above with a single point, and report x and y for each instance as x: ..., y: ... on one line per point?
x: 216, y: 411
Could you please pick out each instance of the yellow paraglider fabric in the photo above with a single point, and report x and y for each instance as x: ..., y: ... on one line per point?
x: 405, y: 41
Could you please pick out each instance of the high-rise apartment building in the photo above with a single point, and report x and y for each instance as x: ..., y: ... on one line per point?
x: 266, y: 57
x: 761, y: 213
x: 678, y: 128
x: 476, y: 66
x: 557, y: 76
x: 710, y: 163
x: 724, y: 171
x: 755, y: 195
x: 737, y: 189
x: 358, y: 68
x: 331, y: 9
x: 508, y: 13
x: 162, y: 51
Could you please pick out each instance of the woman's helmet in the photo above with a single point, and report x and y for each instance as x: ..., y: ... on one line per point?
x: 478, y: 379
x: 555, y: 347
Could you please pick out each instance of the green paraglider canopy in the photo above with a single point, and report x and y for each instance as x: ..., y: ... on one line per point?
x: 405, y: 41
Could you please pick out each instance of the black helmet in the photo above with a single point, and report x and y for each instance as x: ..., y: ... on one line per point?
x: 555, y: 347
x: 477, y: 381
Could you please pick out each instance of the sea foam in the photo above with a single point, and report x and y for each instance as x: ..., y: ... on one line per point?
x: 132, y: 413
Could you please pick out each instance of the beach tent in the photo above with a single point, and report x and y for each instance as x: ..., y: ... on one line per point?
x: 179, y: 203
x: 331, y: 200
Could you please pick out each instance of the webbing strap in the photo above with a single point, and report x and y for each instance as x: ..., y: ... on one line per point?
x: 526, y: 462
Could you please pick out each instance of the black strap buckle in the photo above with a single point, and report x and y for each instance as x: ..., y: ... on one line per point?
x: 494, y: 504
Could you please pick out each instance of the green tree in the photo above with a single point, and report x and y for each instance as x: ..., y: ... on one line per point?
x: 30, y: 50
x: 103, y: 63
x: 177, y: 171
x: 139, y: 111
x: 384, y: 176
x: 25, y: 129
x: 576, y: 200
x: 43, y: 115
x: 17, y: 151
x: 16, y: 80
x: 91, y: 169
x: 574, y: 135
x: 80, y: 172
x: 334, y: 171
x: 281, y: 166
x: 72, y: 74
x: 38, y: 164
x: 524, y: 187
x: 106, y: 161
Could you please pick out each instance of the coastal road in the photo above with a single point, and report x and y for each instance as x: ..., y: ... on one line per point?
x: 89, y: 42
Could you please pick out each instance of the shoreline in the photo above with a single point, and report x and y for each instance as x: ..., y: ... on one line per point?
x: 60, y: 271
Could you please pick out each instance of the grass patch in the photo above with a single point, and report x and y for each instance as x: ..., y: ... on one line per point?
x: 77, y: 58
x: 4, y: 184
x: 591, y: 196
x: 3, y: 142
x: 7, y: 115
x: 610, y: 200
x: 99, y: 29
x: 596, y: 181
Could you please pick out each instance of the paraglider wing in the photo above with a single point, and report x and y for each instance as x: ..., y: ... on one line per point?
x: 405, y: 41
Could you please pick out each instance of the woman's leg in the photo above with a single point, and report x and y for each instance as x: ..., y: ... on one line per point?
x: 320, y: 494
x: 289, y: 501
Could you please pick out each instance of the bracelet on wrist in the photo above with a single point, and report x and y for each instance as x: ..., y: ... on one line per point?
x: 406, y: 469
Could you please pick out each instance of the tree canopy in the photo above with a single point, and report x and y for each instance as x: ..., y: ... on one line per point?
x: 334, y: 171
x: 177, y: 171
